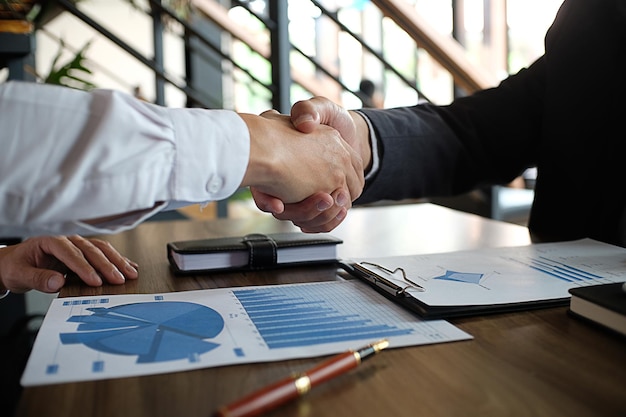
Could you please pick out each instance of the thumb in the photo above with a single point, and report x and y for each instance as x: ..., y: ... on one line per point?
x: 44, y: 280
x: 307, y: 114
x: 266, y: 202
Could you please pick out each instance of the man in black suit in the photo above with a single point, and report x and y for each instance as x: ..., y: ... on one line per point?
x: 565, y: 114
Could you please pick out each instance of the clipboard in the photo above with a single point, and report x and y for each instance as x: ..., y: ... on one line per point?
x: 399, y: 294
x: 491, y: 280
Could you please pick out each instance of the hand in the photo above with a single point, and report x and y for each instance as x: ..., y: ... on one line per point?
x: 318, y: 213
x: 291, y: 165
x: 307, y: 115
x: 40, y: 263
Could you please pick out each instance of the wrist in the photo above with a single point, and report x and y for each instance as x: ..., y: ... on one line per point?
x: 261, y: 157
x: 362, y: 141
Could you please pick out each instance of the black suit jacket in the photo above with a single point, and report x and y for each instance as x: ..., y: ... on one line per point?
x: 565, y: 114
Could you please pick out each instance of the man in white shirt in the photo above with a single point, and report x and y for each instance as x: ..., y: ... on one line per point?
x: 90, y: 163
x: 77, y: 163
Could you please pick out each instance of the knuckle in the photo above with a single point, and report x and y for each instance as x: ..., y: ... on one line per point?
x: 102, y: 243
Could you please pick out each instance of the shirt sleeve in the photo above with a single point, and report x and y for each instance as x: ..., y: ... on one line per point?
x: 70, y: 155
x: 371, y: 173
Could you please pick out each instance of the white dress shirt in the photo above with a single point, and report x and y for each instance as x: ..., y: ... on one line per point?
x: 68, y: 156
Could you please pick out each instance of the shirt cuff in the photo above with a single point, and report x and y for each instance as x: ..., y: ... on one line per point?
x: 213, y: 148
x: 373, y: 146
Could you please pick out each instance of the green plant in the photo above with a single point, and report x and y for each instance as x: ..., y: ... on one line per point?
x: 72, y: 73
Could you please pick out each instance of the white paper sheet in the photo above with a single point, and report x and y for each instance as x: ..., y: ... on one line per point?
x: 90, y: 338
x: 507, y: 275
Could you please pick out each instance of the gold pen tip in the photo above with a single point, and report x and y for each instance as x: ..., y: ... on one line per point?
x: 380, y: 345
x: 371, y: 349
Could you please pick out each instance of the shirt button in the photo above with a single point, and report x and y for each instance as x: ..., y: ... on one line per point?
x: 214, y: 185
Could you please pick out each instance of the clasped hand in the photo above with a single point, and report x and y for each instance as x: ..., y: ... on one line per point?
x: 323, y: 204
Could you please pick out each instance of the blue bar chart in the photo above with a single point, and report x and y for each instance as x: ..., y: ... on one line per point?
x: 288, y: 317
x: 562, y: 270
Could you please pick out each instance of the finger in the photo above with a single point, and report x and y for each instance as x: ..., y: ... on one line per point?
x: 322, y: 222
x: 341, y: 198
x: 29, y: 278
x: 72, y: 257
x: 307, y: 114
x: 132, y: 263
x: 105, y: 267
x: 309, y: 208
x: 270, y: 113
x: 123, y: 264
x: 266, y: 202
x: 44, y: 280
x: 304, y: 216
x: 323, y: 227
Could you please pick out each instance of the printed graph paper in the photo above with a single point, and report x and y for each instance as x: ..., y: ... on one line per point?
x: 89, y: 338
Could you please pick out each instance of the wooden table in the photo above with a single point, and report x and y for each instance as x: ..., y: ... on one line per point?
x: 535, y: 363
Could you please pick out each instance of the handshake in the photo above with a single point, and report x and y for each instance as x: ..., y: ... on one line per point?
x: 307, y: 167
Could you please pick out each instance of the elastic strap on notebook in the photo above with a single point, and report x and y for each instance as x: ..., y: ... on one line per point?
x: 261, y: 250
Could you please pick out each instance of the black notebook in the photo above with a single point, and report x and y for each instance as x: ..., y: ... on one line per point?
x: 251, y: 252
x: 602, y: 304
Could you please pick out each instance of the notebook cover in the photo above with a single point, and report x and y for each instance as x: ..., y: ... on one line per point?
x: 610, y: 296
x: 601, y: 305
x: 238, y: 244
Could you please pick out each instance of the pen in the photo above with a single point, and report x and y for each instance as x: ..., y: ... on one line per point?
x: 280, y: 392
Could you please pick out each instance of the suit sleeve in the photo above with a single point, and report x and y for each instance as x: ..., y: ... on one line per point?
x: 487, y: 138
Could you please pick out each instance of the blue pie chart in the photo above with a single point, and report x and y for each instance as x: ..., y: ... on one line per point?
x: 154, y: 331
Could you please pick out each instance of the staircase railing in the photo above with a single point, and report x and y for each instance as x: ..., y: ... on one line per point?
x: 277, y: 47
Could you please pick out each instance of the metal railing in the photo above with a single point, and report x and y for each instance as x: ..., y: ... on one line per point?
x: 275, y: 19
x: 278, y: 51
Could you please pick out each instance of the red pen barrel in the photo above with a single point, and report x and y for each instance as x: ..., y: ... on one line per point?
x: 280, y: 392
x: 261, y: 401
x: 276, y: 394
x: 333, y: 367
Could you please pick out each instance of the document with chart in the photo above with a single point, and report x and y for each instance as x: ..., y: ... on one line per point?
x: 99, y: 337
x: 464, y: 283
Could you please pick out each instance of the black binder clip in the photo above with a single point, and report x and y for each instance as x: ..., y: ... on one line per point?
x: 379, y: 280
